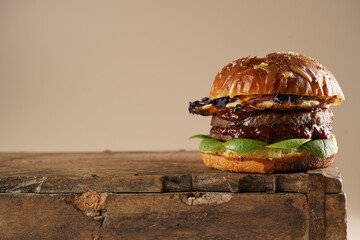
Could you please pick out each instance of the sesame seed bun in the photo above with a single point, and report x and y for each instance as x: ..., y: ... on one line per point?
x: 276, y: 73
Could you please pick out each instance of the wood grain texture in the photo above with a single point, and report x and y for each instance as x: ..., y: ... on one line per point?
x: 294, y: 182
x: 333, y: 181
x: 157, y: 216
x: 162, y: 195
x: 206, y: 216
x: 128, y: 172
x: 335, y: 217
x: 316, y: 201
x: 34, y: 216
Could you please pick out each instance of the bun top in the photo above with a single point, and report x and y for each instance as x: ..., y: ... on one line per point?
x: 276, y: 73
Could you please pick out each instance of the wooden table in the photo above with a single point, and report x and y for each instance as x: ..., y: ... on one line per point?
x: 162, y: 195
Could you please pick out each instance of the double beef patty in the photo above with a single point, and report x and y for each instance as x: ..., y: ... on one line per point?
x: 271, y: 125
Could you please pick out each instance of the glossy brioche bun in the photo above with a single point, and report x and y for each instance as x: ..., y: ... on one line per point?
x: 276, y: 73
x: 291, y: 162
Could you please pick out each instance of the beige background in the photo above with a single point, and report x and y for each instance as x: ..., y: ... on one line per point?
x: 118, y: 75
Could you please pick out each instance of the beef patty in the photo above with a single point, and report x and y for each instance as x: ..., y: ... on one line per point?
x: 272, y: 126
x: 270, y: 118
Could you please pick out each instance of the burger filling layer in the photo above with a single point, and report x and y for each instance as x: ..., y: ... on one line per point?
x: 245, y: 124
x: 271, y: 125
x: 207, y: 107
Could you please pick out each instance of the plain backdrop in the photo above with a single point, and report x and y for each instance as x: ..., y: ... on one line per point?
x: 118, y: 75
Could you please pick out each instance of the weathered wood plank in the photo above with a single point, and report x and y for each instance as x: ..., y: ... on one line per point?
x: 140, y: 172
x: 21, y: 184
x: 206, y: 216
x: 335, y: 217
x: 36, y: 216
x: 212, y: 182
x: 332, y: 178
x: 256, y: 183
x: 132, y: 201
x: 76, y: 184
x: 292, y: 182
x: 316, y: 202
x: 215, y: 215
x: 177, y: 183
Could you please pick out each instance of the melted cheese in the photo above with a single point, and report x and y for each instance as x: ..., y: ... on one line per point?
x: 305, y: 103
x: 265, y: 104
x: 309, y: 103
x: 233, y: 104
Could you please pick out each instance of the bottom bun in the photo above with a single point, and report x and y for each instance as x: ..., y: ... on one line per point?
x: 265, y: 163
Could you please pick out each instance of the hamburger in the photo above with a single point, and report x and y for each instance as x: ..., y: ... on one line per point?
x: 270, y: 114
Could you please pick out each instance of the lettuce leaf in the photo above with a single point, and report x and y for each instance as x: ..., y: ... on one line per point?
x: 289, y: 144
x: 243, y: 145
x: 209, y: 144
x: 200, y: 136
x: 321, y: 147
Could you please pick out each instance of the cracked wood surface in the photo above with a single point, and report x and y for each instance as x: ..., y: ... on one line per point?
x: 193, y: 215
x: 162, y: 195
x: 157, y: 216
x: 140, y: 172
